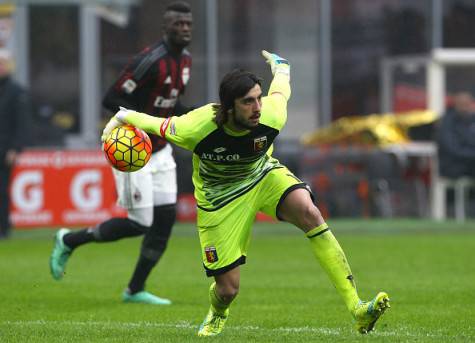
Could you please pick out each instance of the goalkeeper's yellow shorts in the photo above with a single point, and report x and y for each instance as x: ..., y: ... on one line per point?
x: 225, y: 233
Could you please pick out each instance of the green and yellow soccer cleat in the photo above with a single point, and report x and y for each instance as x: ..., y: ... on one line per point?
x: 367, y: 313
x: 213, y: 323
x: 59, y: 255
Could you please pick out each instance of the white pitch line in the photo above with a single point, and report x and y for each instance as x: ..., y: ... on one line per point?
x: 179, y: 325
x: 399, y: 332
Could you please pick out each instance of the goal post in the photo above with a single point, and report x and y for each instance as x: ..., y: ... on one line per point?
x: 436, y: 74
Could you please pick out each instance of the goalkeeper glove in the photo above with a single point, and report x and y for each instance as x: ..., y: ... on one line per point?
x: 277, y: 63
x: 117, y: 120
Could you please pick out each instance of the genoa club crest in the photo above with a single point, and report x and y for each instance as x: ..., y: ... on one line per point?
x: 211, y: 254
x: 260, y: 143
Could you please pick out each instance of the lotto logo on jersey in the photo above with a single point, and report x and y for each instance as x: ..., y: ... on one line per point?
x: 260, y: 143
x: 211, y: 254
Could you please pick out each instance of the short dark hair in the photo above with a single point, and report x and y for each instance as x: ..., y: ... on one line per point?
x: 178, y: 6
x: 234, y: 84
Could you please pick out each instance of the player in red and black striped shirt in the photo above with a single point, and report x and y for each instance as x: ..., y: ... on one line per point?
x: 152, y: 82
x: 154, y: 79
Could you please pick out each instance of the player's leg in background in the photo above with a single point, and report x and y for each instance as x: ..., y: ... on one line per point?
x: 109, y: 231
x: 66, y: 241
x: 135, y: 194
x: 298, y: 209
x: 153, y: 246
x: 164, y: 185
x: 221, y: 294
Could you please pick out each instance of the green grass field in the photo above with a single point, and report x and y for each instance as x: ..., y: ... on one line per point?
x: 428, y: 270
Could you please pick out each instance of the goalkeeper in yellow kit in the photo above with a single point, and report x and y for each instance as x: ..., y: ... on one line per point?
x: 235, y: 177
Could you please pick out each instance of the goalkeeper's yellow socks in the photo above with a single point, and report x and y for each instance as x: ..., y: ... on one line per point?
x: 333, y: 260
x: 217, y: 304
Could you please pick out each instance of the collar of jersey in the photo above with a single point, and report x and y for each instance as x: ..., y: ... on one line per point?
x: 232, y: 132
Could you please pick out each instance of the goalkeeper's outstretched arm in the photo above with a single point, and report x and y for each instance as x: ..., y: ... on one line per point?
x: 148, y: 123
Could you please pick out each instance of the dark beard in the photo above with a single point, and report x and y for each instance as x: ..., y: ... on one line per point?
x: 243, y: 126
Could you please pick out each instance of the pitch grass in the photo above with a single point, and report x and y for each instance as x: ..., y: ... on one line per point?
x: 428, y: 270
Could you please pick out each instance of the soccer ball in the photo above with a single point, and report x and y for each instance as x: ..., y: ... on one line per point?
x: 127, y: 148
